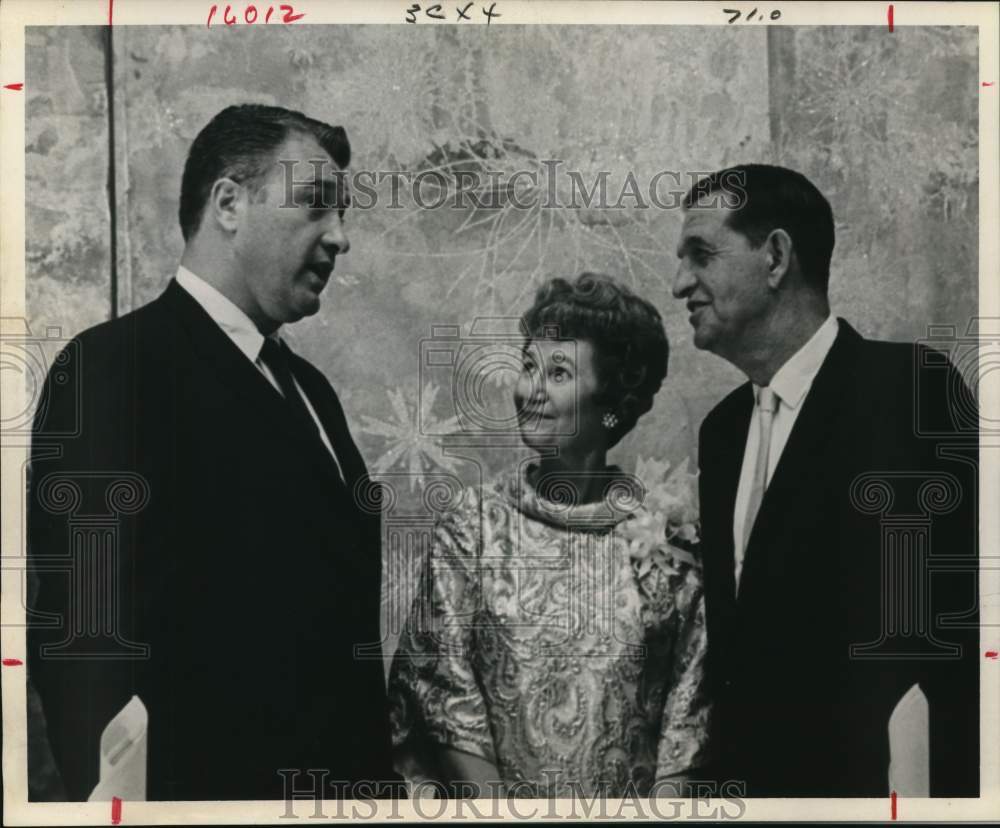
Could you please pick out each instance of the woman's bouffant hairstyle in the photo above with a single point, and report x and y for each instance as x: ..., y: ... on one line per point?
x: 626, y: 333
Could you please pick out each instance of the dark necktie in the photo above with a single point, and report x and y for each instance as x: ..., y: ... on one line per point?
x: 275, y: 356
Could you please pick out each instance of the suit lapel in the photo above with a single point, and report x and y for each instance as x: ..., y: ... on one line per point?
x: 736, y: 424
x: 246, y: 381
x: 819, y: 415
x: 720, y: 460
x: 209, y: 340
x: 327, y: 406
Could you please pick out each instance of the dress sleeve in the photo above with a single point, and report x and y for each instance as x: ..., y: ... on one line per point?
x: 684, y: 730
x: 434, y: 689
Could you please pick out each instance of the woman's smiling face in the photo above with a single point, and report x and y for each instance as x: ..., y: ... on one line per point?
x: 556, y: 397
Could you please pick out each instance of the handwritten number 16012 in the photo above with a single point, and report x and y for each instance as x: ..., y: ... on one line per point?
x: 250, y: 14
x: 736, y: 14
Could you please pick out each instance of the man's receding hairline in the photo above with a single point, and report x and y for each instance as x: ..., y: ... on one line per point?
x: 274, y: 166
x: 298, y: 132
x: 727, y: 213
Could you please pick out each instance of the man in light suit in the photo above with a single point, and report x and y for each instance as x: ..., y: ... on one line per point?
x: 803, y: 470
x: 239, y: 582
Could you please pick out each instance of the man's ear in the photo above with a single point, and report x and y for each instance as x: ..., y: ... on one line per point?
x: 226, y: 203
x: 778, y: 256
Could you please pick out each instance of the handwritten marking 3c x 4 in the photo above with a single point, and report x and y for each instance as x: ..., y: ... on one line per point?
x: 436, y: 12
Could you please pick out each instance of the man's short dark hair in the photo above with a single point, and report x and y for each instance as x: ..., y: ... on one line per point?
x: 239, y: 143
x: 771, y: 198
x: 626, y: 332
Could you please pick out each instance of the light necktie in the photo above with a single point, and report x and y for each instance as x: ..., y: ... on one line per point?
x: 766, y: 401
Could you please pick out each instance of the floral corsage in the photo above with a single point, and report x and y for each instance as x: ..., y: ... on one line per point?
x: 664, y: 532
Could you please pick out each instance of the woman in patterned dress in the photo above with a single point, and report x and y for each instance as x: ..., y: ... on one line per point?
x: 557, y: 644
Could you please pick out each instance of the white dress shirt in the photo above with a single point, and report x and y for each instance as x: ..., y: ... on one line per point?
x: 790, y: 384
x: 245, y: 336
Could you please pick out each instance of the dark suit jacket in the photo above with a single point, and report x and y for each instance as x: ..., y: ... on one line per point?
x: 798, y: 712
x: 240, y: 561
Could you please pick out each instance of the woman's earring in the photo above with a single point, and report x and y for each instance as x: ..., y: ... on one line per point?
x: 609, y: 420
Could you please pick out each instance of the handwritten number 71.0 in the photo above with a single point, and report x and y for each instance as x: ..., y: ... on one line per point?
x: 736, y: 14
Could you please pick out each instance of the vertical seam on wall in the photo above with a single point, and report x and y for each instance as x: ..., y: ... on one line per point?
x: 773, y: 124
x: 780, y: 75
x: 123, y: 186
x: 109, y: 84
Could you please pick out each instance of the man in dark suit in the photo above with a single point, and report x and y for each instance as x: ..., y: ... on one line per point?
x: 839, y: 540
x: 233, y: 577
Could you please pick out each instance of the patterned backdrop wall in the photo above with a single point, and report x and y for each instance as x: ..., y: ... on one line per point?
x: 885, y: 125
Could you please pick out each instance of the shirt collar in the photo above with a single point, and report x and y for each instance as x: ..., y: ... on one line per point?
x: 234, y: 322
x: 795, y: 377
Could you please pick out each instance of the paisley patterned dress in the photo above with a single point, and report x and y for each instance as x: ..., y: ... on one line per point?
x: 539, y: 646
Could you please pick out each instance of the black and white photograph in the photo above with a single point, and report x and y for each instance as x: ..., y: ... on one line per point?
x: 479, y: 410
